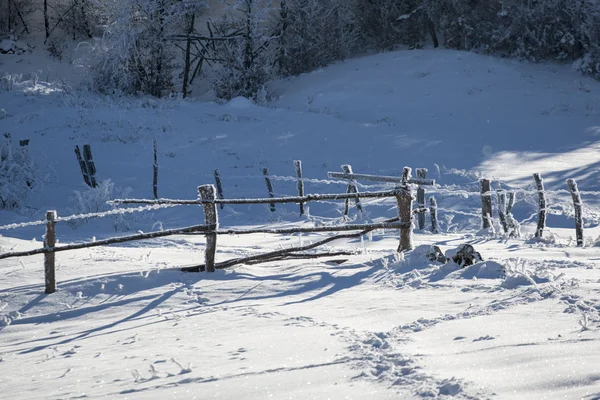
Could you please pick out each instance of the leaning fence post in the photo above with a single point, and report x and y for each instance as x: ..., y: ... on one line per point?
x: 435, y: 228
x: 539, y: 182
x: 298, y: 166
x: 49, y: 256
x: 91, y: 167
x: 352, y: 188
x: 83, y: 166
x: 502, y: 209
x: 577, y: 203
x: 155, y: 170
x: 207, y: 193
x: 421, y: 173
x: 269, y: 188
x: 486, y: 203
x: 219, y: 187
x: 405, y: 213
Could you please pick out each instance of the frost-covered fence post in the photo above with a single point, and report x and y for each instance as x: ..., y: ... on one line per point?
x: 155, y: 169
x: 541, y: 225
x: 83, y: 166
x: 486, y: 203
x: 207, y: 192
x: 352, y: 188
x: 405, y: 213
x: 298, y: 166
x: 269, y: 188
x: 502, y: 209
x: 91, y: 167
x: 219, y: 187
x: 435, y: 228
x: 421, y: 173
x: 49, y: 256
x: 577, y: 203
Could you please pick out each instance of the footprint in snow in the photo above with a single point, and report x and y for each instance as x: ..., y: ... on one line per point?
x: 482, y: 338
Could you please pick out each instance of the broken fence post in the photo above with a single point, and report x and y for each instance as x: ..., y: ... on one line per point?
x: 502, y: 210
x: 83, y: 166
x: 91, y: 167
x: 298, y: 166
x: 486, y: 203
x: 49, y: 256
x: 435, y: 228
x: 352, y: 188
x: 422, y: 174
x: 207, y: 192
x: 269, y: 188
x: 404, y: 199
x: 155, y: 169
x: 577, y: 203
x: 541, y: 225
x: 219, y: 187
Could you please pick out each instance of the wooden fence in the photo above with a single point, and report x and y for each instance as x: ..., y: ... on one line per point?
x: 210, y: 197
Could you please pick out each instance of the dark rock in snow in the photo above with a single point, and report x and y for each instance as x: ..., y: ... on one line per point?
x: 435, y: 254
x: 466, y: 255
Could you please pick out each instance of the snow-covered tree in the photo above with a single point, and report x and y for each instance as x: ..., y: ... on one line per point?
x: 19, y: 175
x: 314, y: 33
x: 246, y: 51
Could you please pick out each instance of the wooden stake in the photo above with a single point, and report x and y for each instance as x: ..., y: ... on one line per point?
x: 91, y: 167
x: 83, y: 166
x: 49, y: 256
x: 577, y: 203
x: 405, y: 213
x: 486, y: 203
x: 207, y: 192
x: 422, y: 174
x: 352, y: 188
x: 269, y: 188
x: 298, y: 166
x: 219, y: 187
x: 155, y: 168
x: 539, y: 182
x: 435, y: 228
x: 502, y: 210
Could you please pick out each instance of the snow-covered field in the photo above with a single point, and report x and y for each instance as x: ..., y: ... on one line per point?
x: 127, y: 323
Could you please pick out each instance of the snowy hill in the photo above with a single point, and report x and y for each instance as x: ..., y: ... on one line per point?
x: 377, y: 325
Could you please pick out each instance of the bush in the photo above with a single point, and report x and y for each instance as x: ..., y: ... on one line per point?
x: 93, y: 200
x: 18, y: 175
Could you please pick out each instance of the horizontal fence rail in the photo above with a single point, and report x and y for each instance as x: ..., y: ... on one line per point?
x: 378, y: 178
x: 290, y: 199
x: 121, y: 239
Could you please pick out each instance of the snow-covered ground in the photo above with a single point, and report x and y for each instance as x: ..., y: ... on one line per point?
x: 525, y: 323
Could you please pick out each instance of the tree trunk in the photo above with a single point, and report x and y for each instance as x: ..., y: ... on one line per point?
x: 46, y: 20
x: 191, y: 18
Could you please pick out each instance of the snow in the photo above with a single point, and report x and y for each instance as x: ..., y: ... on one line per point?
x: 125, y: 322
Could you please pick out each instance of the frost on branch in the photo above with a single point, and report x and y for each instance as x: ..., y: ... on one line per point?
x: 93, y: 200
x: 19, y: 175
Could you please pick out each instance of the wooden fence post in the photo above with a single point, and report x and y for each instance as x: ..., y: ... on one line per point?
x: 352, y: 188
x: 49, y: 256
x: 539, y: 182
x: 421, y: 173
x: 155, y: 169
x: 219, y: 187
x: 405, y: 213
x: 269, y: 188
x: 577, y: 203
x: 83, y: 166
x: 91, y: 167
x: 211, y: 218
x: 298, y: 166
x: 502, y: 209
x: 486, y: 203
x: 435, y: 228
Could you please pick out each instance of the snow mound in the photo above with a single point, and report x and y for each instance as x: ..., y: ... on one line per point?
x: 240, y: 102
